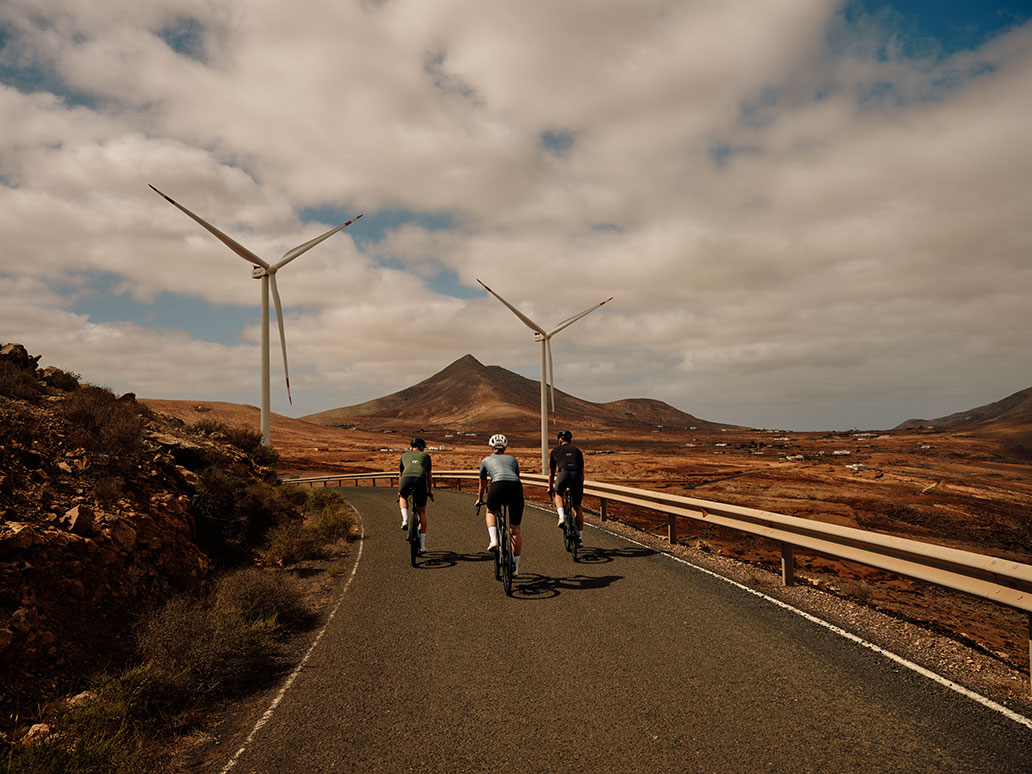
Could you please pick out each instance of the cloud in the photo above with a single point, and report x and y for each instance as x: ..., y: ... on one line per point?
x: 792, y: 209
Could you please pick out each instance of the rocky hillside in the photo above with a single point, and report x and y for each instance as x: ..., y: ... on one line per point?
x: 468, y: 395
x: 106, y: 509
x: 1016, y: 408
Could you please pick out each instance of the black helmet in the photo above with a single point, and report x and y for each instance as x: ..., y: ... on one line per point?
x: 564, y: 435
x: 418, y: 443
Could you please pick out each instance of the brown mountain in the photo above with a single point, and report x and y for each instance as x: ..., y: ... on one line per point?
x: 469, y: 395
x: 1014, y: 410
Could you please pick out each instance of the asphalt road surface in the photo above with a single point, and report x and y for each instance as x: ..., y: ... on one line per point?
x: 626, y: 661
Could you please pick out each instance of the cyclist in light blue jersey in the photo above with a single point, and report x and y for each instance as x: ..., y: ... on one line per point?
x: 505, y: 488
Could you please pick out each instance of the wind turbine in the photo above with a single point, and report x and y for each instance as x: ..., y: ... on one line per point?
x: 545, y: 337
x: 266, y: 272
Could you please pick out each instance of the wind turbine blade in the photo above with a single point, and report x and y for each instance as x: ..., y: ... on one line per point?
x: 295, y: 252
x: 282, y: 336
x: 576, y: 317
x: 526, y: 320
x: 551, y: 373
x: 229, y: 242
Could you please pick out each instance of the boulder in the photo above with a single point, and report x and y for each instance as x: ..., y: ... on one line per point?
x: 79, y: 520
x: 19, y: 356
x: 15, y: 537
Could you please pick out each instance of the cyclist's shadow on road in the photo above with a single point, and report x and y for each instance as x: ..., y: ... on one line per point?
x: 531, y: 586
x: 597, y: 555
x: 442, y: 560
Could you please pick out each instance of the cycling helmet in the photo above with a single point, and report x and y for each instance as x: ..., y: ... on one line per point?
x: 498, y: 441
x: 418, y: 443
x: 564, y: 435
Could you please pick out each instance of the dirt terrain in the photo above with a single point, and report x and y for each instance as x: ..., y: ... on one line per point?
x: 962, y: 488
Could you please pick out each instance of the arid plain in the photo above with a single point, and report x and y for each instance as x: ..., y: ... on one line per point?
x: 966, y: 487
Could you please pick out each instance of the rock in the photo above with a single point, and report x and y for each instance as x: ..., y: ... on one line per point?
x: 79, y: 520
x: 123, y: 536
x: 19, y: 356
x: 80, y: 699
x: 15, y: 537
x: 6, y: 637
x: 37, y: 733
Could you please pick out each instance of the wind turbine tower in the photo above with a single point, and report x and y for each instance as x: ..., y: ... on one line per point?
x: 545, y: 337
x: 266, y: 272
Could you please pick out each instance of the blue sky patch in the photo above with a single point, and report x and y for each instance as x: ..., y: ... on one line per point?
x: 556, y: 141
x: 933, y: 28
x: 102, y: 303
x: 185, y: 36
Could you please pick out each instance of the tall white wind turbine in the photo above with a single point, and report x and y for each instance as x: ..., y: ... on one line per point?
x: 266, y: 272
x: 545, y: 337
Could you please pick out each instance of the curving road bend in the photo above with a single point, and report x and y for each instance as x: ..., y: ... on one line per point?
x: 625, y: 662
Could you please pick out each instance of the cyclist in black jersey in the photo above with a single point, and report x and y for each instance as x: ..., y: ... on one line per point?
x: 415, y: 480
x: 566, y: 471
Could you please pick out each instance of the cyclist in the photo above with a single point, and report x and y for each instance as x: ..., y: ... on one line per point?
x: 506, y: 488
x: 415, y: 480
x: 566, y: 471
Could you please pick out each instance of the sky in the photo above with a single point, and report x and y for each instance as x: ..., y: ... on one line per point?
x: 811, y: 214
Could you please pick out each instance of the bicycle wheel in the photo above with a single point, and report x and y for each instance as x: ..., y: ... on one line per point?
x: 413, y: 532
x: 569, y: 525
x: 505, y: 549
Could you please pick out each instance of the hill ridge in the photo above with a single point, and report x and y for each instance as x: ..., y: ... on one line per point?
x: 466, y: 394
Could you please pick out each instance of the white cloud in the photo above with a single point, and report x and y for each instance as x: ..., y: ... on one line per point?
x: 789, y: 223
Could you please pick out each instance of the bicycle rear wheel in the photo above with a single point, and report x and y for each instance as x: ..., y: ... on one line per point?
x: 569, y: 525
x: 413, y: 532
x: 505, y: 549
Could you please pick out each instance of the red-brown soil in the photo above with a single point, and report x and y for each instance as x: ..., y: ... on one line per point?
x: 966, y: 488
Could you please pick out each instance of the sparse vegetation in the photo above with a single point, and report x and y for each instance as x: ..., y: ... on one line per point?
x: 190, y: 652
x: 328, y: 520
x: 100, y: 422
x: 18, y: 383
x: 247, y: 441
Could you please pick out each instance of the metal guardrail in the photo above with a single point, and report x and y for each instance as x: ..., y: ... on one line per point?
x: 1000, y: 580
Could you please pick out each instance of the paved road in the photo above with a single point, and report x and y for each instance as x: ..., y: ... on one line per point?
x: 627, y: 661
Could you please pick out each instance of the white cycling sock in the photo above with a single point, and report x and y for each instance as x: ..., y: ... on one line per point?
x: 517, y: 563
x: 492, y: 532
x: 580, y: 533
x: 562, y: 512
x: 422, y: 541
x: 404, y: 514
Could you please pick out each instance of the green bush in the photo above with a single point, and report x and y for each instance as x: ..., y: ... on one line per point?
x: 234, y: 514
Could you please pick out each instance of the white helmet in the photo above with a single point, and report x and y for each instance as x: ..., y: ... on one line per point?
x: 498, y: 441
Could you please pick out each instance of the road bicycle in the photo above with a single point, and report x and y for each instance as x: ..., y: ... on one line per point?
x: 504, y: 561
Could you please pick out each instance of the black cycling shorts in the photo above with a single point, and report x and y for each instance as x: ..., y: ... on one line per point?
x: 416, y: 486
x: 574, y: 479
x: 508, y: 493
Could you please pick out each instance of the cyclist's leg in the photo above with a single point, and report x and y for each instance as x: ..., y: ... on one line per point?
x: 561, y: 482
x: 403, y: 490
x: 420, y: 501
x: 492, y: 525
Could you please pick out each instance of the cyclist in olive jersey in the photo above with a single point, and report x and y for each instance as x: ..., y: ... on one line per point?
x: 566, y: 471
x: 504, y: 473
x: 415, y: 480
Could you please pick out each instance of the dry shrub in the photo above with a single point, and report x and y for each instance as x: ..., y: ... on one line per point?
x: 207, y: 651
x: 100, y: 422
x: 19, y: 383
x: 262, y: 596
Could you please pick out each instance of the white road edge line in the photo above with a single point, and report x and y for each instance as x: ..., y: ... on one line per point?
x: 297, y: 670
x: 977, y: 697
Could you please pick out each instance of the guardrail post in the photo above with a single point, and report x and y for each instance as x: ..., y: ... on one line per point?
x: 672, y: 528
x: 788, y: 564
x: 458, y: 485
x: 602, y: 508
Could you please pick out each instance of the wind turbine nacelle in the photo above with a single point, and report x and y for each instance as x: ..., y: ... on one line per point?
x: 257, y: 272
x: 538, y: 337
